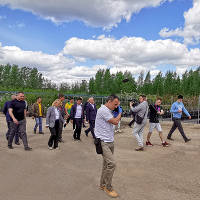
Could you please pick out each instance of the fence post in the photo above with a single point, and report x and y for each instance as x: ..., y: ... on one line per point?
x: 198, y: 111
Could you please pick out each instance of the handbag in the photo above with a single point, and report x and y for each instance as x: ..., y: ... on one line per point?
x: 139, y: 119
x: 97, y: 143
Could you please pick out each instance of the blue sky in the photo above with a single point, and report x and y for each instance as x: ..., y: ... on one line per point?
x: 71, y: 41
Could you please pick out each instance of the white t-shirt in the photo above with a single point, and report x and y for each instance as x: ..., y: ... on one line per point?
x: 78, y: 111
x: 103, y: 129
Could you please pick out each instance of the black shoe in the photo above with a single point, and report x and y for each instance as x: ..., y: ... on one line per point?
x: 170, y: 139
x: 10, y: 147
x: 61, y: 141
x: 129, y: 126
x: 27, y: 148
x: 41, y: 132
x: 17, y: 143
x: 187, y: 140
x: 86, y: 133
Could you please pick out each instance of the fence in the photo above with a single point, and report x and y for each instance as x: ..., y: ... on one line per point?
x: 191, y: 103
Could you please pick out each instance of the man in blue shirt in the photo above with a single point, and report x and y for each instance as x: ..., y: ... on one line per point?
x: 177, y: 109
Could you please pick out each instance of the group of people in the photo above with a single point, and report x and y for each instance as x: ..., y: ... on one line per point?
x: 102, y: 124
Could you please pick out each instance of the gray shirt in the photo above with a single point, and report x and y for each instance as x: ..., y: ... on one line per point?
x: 103, y: 129
x: 141, y: 109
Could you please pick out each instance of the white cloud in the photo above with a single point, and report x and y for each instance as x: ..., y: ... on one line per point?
x: 126, y: 54
x: 191, y: 30
x: 133, y: 52
x: 98, y: 13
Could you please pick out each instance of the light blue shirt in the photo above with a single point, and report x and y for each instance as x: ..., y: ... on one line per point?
x: 176, y: 106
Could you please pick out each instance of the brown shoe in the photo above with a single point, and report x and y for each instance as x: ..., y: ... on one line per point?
x: 140, y: 149
x: 111, y: 193
x: 102, y: 187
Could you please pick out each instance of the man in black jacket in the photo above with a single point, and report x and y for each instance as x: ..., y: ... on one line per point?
x: 91, y: 112
x: 155, y: 111
x: 77, y: 118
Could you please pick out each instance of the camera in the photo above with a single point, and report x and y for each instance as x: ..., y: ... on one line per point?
x: 134, y: 102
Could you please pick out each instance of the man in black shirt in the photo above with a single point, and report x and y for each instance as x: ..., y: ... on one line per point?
x: 17, y: 112
x: 155, y: 111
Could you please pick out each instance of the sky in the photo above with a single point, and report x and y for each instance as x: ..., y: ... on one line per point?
x: 69, y: 40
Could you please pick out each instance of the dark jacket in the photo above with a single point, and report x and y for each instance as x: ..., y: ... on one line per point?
x: 73, y: 111
x: 5, y: 111
x: 91, y: 112
x: 35, y: 110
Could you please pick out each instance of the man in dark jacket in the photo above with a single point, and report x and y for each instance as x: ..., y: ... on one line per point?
x: 91, y: 112
x: 8, y: 119
x: 77, y: 118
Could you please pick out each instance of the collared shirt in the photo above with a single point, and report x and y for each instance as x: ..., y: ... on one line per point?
x: 40, y: 109
x: 92, y: 105
x: 78, y: 112
x: 57, y: 113
x: 103, y: 129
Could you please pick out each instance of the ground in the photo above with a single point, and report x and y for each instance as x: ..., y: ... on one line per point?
x: 73, y: 172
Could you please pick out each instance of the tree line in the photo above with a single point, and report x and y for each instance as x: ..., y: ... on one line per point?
x: 13, y: 77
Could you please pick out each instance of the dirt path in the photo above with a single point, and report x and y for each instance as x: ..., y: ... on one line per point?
x: 73, y: 172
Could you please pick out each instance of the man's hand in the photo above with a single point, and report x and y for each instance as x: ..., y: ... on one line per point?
x: 33, y: 117
x: 130, y: 104
x: 15, y: 121
x: 71, y: 121
x: 180, y: 111
x: 47, y: 126
x: 190, y: 117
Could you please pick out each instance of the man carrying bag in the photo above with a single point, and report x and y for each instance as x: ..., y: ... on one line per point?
x: 140, y: 120
x: 104, y: 133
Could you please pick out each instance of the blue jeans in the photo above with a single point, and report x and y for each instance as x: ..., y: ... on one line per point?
x: 38, y: 121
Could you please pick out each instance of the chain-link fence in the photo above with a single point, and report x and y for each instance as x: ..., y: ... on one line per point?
x: 192, y: 104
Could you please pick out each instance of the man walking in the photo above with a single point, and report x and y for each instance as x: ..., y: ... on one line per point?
x: 8, y: 119
x: 140, y: 120
x: 62, y: 110
x: 91, y: 112
x: 155, y: 111
x: 104, y: 130
x: 68, y: 107
x: 38, y: 114
x: 77, y: 117
x: 17, y: 112
x: 177, y: 109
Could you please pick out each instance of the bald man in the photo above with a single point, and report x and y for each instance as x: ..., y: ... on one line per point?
x: 91, y: 112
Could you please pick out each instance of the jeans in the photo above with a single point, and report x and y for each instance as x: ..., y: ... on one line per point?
x: 38, y: 122
x: 138, y: 130
x: 18, y: 128
x: 91, y: 128
x: 16, y: 134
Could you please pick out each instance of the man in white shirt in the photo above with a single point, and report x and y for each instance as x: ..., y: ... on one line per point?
x: 105, y: 132
x: 77, y: 116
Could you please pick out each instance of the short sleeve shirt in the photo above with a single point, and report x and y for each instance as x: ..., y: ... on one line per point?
x: 103, y: 129
x: 18, y: 109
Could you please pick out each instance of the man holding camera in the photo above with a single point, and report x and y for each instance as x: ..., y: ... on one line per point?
x: 141, y: 111
x: 105, y: 132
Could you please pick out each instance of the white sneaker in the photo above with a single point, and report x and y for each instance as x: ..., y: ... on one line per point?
x: 57, y: 148
x: 50, y: 148
x: 119, y: 130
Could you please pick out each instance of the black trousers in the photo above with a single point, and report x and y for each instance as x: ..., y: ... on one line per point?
x: 177, y: 124
x: 53, y: 140
x: 60, y: 130
x: 91, y: 128
x: 77, y: 125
